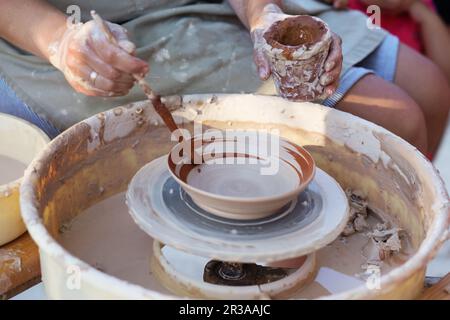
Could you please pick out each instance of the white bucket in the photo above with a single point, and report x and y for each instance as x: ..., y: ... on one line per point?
x: 20, y: 141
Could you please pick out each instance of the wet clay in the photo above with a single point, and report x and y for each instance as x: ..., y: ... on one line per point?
x: 106, y: 237
x: 297, y: 48
x: 10, y: 169
x: 159, y: 106
x: 294, y: 33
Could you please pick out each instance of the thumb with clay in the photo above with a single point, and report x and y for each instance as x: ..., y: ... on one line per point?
x: 270, y: 14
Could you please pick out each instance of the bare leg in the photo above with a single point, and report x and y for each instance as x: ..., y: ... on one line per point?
x: 387, y: 105
x: 434, y: 35
x: 428, y: 86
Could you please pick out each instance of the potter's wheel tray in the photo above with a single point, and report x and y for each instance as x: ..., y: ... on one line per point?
x: 164, y: 211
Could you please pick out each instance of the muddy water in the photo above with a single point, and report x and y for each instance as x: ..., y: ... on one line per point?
x: 10, y: 169
x: 106, y: 237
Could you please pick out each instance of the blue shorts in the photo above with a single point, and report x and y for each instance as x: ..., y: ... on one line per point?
x: 11, y: 104
x: 381, y: 62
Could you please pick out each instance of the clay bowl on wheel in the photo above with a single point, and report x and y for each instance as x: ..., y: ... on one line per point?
x: 241, y: 174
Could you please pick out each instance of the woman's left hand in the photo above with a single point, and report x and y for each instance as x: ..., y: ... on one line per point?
x: 271, y: 14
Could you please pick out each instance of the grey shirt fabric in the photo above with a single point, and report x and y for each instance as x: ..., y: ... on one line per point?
x: 192, y: 47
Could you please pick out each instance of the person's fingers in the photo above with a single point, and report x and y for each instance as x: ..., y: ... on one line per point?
x: 81, y: 86
x: 118, y: 57
x: 334, y: 58
x: 127, y: 45
x: 99, y: 66
x: 87, y: 55
x: 119, y: 32
x: 83, y: 72
x: 86, y: 91
x: 111, y: 86
x: 333, y: 66
x: 262, y: 64
x: 329, y: 77
x: 329, y: 90
x: 121, y: 35
x: 95, y: 93
x: 260, y: 59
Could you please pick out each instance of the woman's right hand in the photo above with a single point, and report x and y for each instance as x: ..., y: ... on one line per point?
x: 92, y: 64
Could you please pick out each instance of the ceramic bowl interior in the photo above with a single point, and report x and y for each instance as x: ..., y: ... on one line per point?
x: 241, y: 174
x: 295, y: 32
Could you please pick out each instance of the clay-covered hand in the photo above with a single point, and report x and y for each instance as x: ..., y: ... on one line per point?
x: 92, y: 64
x: 333, y: 63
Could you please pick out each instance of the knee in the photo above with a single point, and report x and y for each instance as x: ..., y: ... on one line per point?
x: 411, y: 124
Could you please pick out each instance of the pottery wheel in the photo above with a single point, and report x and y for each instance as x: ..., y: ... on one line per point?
x: 164, y: 211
